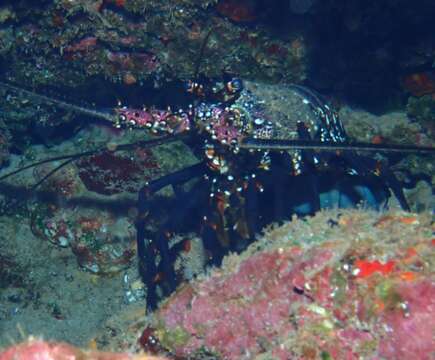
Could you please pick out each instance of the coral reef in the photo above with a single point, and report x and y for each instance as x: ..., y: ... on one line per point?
x: 134, y: 41
x: 123, y: 47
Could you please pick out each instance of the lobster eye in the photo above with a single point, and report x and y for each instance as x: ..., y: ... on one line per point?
x: 188, y: 86
x: 236, y: 84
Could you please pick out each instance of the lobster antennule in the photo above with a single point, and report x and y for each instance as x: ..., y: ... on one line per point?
x: 59, y: 103
x: 282, y: 144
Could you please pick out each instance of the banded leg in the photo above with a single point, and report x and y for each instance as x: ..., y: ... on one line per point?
x: 395, y: 185
x: 214, y: 248
x: 251, y: 207
x: 147, y: 265
x: 184, y: 206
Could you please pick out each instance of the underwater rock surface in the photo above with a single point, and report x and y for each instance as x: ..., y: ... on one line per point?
x: 335, y: 286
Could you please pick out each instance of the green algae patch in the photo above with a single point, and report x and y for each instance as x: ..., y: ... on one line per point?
x: 389, y: 296
x: 173, y: 338
x: 324, y: 355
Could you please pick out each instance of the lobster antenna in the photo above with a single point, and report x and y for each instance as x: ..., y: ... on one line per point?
x: 282, y: 144
x: 201, y: 54
x: 51, y: 172
x: 59, y: 103
x: 71, y: 157
x: 198, y: 65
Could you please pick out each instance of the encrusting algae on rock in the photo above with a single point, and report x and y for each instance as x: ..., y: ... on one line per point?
x: 340, y: 285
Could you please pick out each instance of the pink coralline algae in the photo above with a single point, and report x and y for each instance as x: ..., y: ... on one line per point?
x: 411, y: 336
x: 232, y: 313
x: 34, y: 349
x: 291, y: 300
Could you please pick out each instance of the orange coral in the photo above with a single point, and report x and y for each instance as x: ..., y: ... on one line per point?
x: 420, y: 84
x: 237, y: 10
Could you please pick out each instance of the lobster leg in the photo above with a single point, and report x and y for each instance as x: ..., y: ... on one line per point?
x: 336, y: 191
x: 213, y: 246
x: 305, y: 193
x: 277, y: 175
x: 147, y: 265
x: 353, y: 191
x: 396, y: 187
x: 363, y: 164
x: 252, y: 208
x: 176, y: 220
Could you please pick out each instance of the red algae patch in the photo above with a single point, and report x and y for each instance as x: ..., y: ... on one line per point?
x: 109, y: 173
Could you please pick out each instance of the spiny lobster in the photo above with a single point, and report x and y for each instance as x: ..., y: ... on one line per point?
x: 254, y: 169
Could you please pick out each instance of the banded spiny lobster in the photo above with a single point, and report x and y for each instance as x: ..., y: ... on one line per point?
x: 256, y: 167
